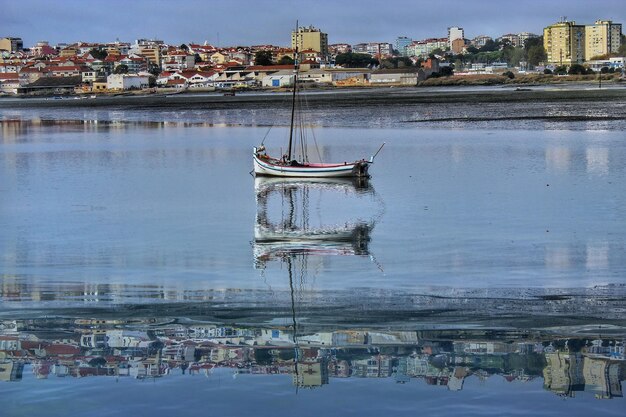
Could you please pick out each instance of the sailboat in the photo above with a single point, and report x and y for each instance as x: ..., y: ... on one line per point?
x: 288, y: 165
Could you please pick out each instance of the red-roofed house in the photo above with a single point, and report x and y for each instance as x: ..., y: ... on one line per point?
x: 9, y: 67
x: 9, y: 82
x: 177, y: 83
x: 31, y: 74
x: 65, y: 71
x: 42, y: 48
x: 204, y: 51
x: 195, y: 77
x: 62, y: 350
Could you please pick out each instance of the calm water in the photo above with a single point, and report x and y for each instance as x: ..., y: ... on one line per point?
x: 153, y: 214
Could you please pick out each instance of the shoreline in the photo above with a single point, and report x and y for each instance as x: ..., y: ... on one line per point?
x: 347, y: 96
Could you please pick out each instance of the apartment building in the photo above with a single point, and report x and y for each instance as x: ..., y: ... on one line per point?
x: 401, y: 43
x: 481, y: 40
x: 310, y: 38
x: 454, y: 33
x: 11, y: 44
x: 564, y: 43
x: 601, y: 38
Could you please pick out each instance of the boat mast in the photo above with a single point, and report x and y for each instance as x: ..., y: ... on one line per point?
x: 293, y: 98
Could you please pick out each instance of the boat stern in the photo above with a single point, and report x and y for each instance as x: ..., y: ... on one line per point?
x: 361, y: 169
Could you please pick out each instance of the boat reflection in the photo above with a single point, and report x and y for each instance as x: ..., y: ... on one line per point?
x: 284, y: 231
x: 284, y: 224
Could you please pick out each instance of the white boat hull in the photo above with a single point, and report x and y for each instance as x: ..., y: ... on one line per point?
x: 264, y: 166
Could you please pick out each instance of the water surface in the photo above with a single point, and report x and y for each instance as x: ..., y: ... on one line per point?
x: 147, y: 221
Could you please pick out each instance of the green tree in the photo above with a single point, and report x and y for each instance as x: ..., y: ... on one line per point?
x: 98, y: 362
x: 287, y: 355
x: 396, y: 62
x: 560, y: 70
x: 121, y: 69
x: 534, y: 52
x: 286, y: 60
x: 154, y: 70
x: 98, y: 53
x: 355, y: 60
x: 446, y: 71
x: 490, y: 46
x: 263, y: 356
x: 184, y: 47
x: 577, y: 69
x: 513, y: 56
x: 509, y: 75
x: 263, y: 58
x: 436, y: 51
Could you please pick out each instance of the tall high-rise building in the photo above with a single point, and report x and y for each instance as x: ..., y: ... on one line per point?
x: 310, y: 38
x: 603, y: 37
x: 455, y: 33
x: 564, y: 43
x: 401, y: 43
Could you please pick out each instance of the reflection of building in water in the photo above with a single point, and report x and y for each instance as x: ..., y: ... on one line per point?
x: 558, y: 158
x: 567, y: 373
x: 564, y: 373
x: 11, y: 371
x: 339, y: 369
x: 484, y: 348
x: 558, y: 258
x: 597, y: 256
x: 379, y: 366
x: 311, y: 373
x: 421, y: 366
x: 149, y: 351
x: 597, y: 161
x: 602, y: 377
x: 455, y: 382
x: 42, y: 369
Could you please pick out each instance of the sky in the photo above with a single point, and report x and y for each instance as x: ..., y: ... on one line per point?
x: 254, y: 22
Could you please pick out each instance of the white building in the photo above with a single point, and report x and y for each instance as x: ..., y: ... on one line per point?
x: 618, y: 63
x: 126, y: 339
x: 126, y: 81
x: 375, y: 49
x: 455, y: 33
x: 408, y: 78
x: 278, y: 79
x: 524, y: 36
x: 480, y: 40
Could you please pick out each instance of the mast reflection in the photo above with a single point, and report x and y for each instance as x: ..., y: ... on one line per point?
x: 285, y: 231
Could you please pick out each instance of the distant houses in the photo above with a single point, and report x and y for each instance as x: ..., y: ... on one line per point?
x: 153, y: 63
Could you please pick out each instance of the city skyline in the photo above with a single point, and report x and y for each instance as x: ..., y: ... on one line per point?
x: 250, y: 23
